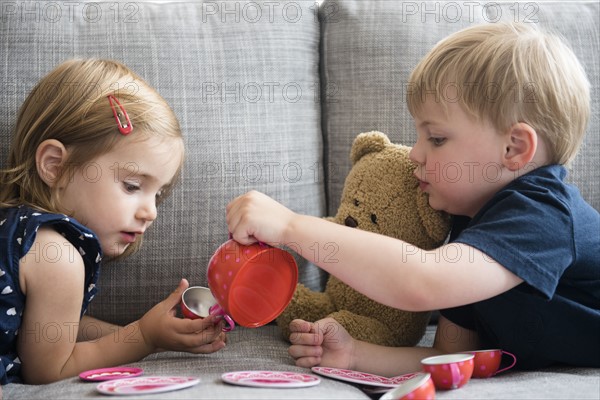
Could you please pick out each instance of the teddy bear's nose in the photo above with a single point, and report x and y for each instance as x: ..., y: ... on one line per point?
x: 351, y: 222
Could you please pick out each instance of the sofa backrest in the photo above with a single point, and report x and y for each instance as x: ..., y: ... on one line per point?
x: 369, y: 49
x: 243, y: 78
x: 270, y: 96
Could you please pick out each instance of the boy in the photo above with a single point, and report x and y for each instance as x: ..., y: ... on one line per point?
x: 499, y: 109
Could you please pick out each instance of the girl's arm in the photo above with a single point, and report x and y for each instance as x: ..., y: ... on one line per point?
x: 47, y: 342
x: 385, y: 269
x: 91, y: 328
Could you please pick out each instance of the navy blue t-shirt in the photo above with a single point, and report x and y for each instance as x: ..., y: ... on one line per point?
x: 539, y: 228
x: 18, y: 228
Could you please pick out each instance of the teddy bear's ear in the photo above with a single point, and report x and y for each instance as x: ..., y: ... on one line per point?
x: 366, y: 143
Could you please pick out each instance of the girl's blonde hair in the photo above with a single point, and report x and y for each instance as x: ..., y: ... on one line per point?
x: 71, y: 105
x: 508, y: 73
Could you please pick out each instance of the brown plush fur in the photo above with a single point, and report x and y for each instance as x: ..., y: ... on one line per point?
x: 380, y: 195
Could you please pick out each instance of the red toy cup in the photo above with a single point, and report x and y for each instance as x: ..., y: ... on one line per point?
x: 420, y: 387
x: 198, y: 302
x: 487, y: 362
x: 449, y: 371
x: 252, y: 283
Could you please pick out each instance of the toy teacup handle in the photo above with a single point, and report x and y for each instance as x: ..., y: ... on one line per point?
x: 511, y: 365
x: 455, y: 373
x: 216, y: 309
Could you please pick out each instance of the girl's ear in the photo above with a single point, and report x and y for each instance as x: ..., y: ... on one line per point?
x: 521, y: 146
x: 49, y: 159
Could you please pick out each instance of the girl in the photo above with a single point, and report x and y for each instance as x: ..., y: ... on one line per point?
x: 95, y: 150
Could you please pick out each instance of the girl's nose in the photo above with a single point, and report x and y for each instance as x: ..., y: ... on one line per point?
x: 147, y: 211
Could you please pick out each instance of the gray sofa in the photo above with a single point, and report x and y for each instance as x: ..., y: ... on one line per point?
x: 270, y: 96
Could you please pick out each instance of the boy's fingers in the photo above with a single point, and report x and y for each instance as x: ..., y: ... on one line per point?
x: 307, y: 362
x: 300, y: 352
x: 306, y: 339
x: 301, y: 326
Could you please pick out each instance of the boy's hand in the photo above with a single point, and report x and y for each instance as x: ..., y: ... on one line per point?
x: 255, y: 216
x: 324, y: 343
x: 163, y: 330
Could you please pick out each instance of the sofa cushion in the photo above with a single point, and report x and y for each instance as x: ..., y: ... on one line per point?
x: 264, y: 349
x: 247, y: 349
x: 242, y: 78
x: 369, y: 49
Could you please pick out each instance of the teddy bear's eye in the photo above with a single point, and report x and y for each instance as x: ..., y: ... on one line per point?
x: 356, y: 203
x: 374, y: 218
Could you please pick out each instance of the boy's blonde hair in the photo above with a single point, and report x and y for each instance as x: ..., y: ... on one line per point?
x: 508, y: 73
x: 70, y: 104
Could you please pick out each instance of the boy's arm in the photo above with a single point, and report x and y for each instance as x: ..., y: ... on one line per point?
x: 385, y: 269
x: 397, y: 273
x: 328, y: 344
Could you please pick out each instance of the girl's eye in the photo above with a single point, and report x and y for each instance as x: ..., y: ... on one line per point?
x: 437, y: 141
x: 130, y: 187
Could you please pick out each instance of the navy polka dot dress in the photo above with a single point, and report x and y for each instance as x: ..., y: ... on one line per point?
x: 18, y: 228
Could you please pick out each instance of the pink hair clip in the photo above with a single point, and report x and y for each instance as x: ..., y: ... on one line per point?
x: 125, y: 127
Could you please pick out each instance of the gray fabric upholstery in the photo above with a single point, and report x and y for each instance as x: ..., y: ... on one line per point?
x: 371, y: 47
x: 233, y: 72
x: 243, y: 88
x: 263, y: 349
x: 248, y: 349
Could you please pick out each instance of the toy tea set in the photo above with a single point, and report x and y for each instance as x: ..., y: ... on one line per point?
x: 250, y: 285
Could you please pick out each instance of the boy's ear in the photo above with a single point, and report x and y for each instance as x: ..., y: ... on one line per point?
x: 49, y: 159
x: 521, y: 146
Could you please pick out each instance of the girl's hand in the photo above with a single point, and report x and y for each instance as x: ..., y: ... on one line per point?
x: 324, y: 343
x: 163, y: 330
x: 255, y: 217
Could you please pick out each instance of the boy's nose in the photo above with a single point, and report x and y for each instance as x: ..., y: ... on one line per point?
x: 416, y: 155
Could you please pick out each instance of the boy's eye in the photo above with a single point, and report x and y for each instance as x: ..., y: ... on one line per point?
x: 356, y: 203
x: 437, y: 141
x: 374, y: 218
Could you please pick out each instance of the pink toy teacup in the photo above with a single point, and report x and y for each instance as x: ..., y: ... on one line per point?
x: 198, y: 302
x: 419, y: 387
x: 449, y: 371
x: 253, y: 283
x: 487, y: 362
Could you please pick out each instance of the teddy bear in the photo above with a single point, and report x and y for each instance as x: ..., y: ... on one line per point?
x: 382, y: 195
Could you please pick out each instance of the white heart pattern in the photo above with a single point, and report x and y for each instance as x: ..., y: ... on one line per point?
x: 7, y: 290
x: 2, y: 272
x: 11, y: 311
x: 19, y: 240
